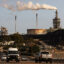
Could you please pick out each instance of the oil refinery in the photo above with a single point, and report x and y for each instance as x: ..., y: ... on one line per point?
x: 56, y: 26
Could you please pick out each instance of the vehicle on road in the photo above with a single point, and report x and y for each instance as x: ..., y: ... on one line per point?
x: 44, y: 56
x: 25, y: 58
x: 13, y: 54
x: 3, y: 57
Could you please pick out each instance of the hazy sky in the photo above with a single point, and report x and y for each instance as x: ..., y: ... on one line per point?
x: 27, y: 19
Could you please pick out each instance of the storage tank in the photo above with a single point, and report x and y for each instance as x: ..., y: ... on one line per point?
x: 36, y: 31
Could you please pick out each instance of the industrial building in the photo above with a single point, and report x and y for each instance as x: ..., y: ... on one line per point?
x: 36, y: 31
x: 56, y: 26
x: 56, y: 21
x: 3, y: 31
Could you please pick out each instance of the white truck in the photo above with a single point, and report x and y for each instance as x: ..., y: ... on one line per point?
x: 13, y: 54
x: 44, y: 56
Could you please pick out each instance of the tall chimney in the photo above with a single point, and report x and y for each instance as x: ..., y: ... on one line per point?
x: 15, y: 23
x: 56, y: 14
x: 56, y: 21
x: 36, y: 20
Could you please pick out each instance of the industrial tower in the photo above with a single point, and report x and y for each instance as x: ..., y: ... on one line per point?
x: 36, y: 20
x: 56, y: 21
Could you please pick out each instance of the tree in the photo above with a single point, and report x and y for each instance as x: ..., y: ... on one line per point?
x: 5, y: 38
x: 35, y: 49
x: 30, y: 42
x: 18, y: 39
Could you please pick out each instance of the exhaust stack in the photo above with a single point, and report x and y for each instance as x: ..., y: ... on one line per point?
x: 36, y: 20
x: 15, y: 23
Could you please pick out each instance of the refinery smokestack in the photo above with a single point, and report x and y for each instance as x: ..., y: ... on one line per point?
x: 56, y: 21
x: 15, y: 23
x: 36, y: 20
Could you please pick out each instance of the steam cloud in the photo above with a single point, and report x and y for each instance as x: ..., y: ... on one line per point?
x: 10, y: 7
x: 29, y: 6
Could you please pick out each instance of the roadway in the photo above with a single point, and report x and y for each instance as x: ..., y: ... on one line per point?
x: 32, y: 62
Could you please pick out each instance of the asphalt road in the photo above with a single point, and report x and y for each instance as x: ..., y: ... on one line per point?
x: 32, y: 62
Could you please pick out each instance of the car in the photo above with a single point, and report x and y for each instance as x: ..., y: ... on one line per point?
x: 44, y: 56
x: 24, y: 58
x: 13, y: 54
x: 3, y: 57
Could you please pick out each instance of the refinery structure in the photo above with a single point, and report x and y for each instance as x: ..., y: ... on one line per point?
x: 37, y: 31
x: 56, y: 21
x: 56, y: 26
x: 31, y: 6
x: 3, y: 31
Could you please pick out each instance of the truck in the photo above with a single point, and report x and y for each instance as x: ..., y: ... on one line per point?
x: 44, y: 56
x: 13, y: 54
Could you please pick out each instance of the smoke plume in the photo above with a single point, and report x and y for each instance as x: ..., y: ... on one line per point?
x: 10, y: 7
x: 37, y: 6
x: 45, y: 6
x: 29, y: 6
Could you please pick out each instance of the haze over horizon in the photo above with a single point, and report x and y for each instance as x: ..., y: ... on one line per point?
x: 26, y: 19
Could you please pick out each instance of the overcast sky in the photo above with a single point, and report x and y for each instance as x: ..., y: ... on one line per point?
x: 26, y: 19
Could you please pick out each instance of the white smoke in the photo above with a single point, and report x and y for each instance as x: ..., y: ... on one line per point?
x: 10, y: 7
x: 37, y: 6
x: 45, y: 6
x: 20, y: 5
x: 5, y: 6
x: 29, y: 6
